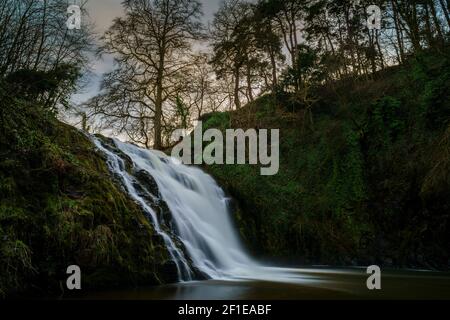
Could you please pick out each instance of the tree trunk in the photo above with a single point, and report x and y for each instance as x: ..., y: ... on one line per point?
x: 445, y: 9
x: 415, y: 32
x: 249, y: 83
x: 373, y: 62
x: 398, y: 33
x: 42, y: 38
x: 436, y: 22
x: 157, y: 144
x: 377, y: 41
x: 428, y: 31
x: 237, y: 80
x: 274, y: 69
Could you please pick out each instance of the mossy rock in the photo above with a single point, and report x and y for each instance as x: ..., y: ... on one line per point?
x: 60, y: 206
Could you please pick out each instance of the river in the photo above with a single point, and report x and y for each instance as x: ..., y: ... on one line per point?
x: 317, y: 283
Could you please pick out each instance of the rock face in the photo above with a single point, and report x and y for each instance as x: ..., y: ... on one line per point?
x: 147, y: 189
x: 59, y: 206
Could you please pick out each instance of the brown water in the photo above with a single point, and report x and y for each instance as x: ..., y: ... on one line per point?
x: 315, y: 283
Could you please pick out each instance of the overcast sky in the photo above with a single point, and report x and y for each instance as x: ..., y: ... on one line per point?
x: 102, y: 13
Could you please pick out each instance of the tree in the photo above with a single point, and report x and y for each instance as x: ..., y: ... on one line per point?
x: 202, y: 93
x: 46, y: 87
x: 229, y: 44
x: 157, y: 75
x: 246, y: 49
x: 42, y: 59
x: 287, y: 15
x: 268, y: 40
x: 151, y: 45
x: 34, y: 36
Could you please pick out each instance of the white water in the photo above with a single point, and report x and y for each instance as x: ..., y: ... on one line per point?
x: 200, y: 213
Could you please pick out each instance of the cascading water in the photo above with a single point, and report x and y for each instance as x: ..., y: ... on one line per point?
x: 199, y: 212
x: 118, y: 167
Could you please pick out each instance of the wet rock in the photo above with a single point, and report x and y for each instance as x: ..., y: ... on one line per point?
x: 147, y: 181
x: 109, y: 144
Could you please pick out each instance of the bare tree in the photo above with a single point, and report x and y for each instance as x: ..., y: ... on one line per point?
x: 42, y: 59
x: 34, y: 36
x: 151, y: 44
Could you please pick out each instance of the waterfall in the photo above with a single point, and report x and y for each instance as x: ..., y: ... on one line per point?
x: 198, y: 206
x: 201, y: 233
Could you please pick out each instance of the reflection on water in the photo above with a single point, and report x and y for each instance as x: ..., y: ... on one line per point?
x: 309, y: 284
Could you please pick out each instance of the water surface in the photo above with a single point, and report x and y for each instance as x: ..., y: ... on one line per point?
x: 312, y: 283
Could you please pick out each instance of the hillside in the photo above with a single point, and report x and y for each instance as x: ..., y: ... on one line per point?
x: 363, y: 179
x: 60, y: 206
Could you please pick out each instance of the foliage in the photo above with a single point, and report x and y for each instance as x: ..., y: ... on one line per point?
x: 45, y: 87
x: 302, y: 72
x: 59, y: 206
x: 369, y: 183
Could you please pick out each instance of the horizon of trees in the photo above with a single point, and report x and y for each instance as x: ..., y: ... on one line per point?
x: 171, y: 69
x: 161, y: 83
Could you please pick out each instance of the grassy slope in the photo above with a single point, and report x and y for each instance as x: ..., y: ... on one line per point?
x: 367, y: 182
x: 59, y: 206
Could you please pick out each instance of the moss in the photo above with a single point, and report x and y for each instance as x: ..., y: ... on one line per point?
x: 60, y: 206
x: 365, y: 182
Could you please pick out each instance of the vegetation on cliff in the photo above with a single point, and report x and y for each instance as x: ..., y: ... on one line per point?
x: 364, y: 172
x: 59, y: 206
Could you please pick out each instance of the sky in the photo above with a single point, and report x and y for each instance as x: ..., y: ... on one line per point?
x: 102, y: 13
